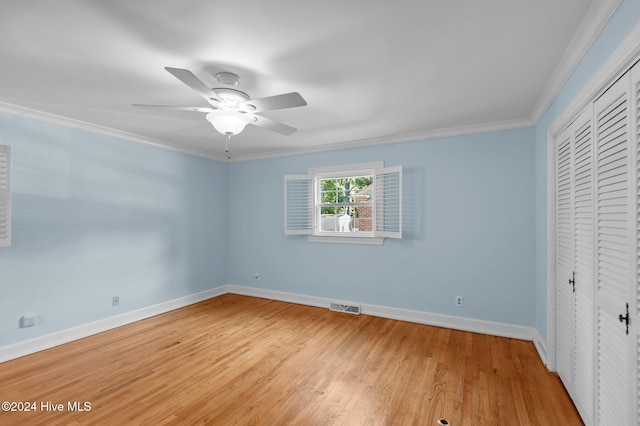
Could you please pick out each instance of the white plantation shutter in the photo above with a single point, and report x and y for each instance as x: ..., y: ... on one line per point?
x: 388, y: 202
x: 614, y: 274
x: 298, y: 204
x: 5, y: 196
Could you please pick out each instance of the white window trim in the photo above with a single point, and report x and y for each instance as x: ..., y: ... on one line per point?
x: 358, y: 169
x: 347, y: 239
x: 331, y: 170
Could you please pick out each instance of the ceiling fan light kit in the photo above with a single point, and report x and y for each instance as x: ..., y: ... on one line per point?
x: 228, y: 123
x: 231, y: 109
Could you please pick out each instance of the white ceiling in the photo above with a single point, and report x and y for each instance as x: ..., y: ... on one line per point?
x: 371, y: 71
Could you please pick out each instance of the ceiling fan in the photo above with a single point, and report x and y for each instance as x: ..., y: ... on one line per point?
x: 230, y: 109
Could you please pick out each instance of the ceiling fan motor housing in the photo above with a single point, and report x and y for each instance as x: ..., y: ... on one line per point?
x: 231, y: 96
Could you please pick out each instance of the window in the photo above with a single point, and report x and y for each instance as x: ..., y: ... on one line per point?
x: 345, y: 204
x: 359, y: 203
x: 5, y: 196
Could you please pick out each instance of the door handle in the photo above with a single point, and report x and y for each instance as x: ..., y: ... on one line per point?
x: 572, y: 281
x: 625, y: 318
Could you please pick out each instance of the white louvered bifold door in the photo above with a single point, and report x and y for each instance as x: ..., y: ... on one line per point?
x: 564, y: 257
x: 5, y: 196
x: 583, y: 223
x: 615, y: 238
x: 298, y: 204
x: 634, y: 305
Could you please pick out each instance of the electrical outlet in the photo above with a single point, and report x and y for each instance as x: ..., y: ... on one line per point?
x: 28, y: 320
x: 459, y: 301
x: 115, y: 301
x: 256, y: 276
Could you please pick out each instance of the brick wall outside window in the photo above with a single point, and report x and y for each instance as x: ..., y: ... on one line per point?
x: 365, y: 212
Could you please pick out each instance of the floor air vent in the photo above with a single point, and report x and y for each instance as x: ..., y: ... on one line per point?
x: 348, y: 309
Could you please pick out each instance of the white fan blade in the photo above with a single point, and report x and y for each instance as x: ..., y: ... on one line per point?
x: 194, y: 82
x: 270, y: 103
x: 178, y: 108
x: 272, y: 125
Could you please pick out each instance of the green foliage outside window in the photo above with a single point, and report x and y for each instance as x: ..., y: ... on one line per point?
x: 345, y: 191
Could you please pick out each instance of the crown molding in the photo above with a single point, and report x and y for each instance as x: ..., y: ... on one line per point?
x: 619, y: 61
x: 101, y: 130
x: 384, y: 140
x: 593, y: 23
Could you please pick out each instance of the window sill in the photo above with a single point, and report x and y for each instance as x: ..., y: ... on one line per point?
x: 374, y: 241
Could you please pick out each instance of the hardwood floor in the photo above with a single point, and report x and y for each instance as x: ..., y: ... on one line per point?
x: 242, y: 360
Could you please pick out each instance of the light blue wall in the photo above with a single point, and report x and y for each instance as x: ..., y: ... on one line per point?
x: 95, y: 217
x: 626, y: 17
x: 469, y: 229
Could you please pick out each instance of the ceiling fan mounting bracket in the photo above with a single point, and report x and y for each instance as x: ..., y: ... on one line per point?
x: 228, y: 78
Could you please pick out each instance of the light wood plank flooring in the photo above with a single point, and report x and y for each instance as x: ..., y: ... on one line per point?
x: 249, y: 361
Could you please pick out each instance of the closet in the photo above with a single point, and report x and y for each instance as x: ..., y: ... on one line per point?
x: 598, y: 255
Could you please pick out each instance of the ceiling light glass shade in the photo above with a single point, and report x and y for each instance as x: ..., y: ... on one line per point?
x: 228, y: 122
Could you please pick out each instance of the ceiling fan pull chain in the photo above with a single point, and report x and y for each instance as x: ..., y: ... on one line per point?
x: 228, y: 147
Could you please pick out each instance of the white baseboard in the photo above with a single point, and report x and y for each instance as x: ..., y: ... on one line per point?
x: 301, y: 299
x: 541, y: 347
x: 447, y: 321
x: 458, y: 323
x: 58, y: 338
